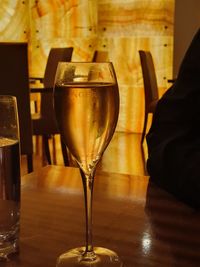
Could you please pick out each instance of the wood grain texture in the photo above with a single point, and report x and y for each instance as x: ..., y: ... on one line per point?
x: 143, y: 224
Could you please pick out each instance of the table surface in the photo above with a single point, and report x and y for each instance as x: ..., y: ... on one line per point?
x: 40, y: 89
x: 143, y: 224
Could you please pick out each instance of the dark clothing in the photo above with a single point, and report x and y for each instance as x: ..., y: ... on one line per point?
x: 174, y: 137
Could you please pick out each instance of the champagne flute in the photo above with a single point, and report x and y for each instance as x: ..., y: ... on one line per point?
x: 86, y: 102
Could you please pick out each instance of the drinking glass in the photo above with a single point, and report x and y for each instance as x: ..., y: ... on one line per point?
x: 86, y: 102
x: 9, y: 177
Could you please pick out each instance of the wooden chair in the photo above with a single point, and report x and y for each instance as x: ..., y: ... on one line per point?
x: 44, y: 123
x: 14, y: 81
x: 100, y: 56
x: 150, y: 86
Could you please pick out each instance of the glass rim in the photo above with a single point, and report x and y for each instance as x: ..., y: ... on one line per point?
x: 85, y: 62
x: 8, y: 97
x: 104, y: 65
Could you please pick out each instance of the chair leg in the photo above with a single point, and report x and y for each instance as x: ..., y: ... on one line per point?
x: 45, y: 140
x: 144, y: 128
x: 54, y: 149
x: 64, y: 152
x: 29, y: 162
x: 37, y: 143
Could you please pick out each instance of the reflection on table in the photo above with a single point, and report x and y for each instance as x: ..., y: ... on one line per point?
x: 142, y: 223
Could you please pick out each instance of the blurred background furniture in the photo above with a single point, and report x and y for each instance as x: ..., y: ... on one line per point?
x: 44, y: 122
x: 15, y: 81
x: 150, y: 86
x: 100, y: 56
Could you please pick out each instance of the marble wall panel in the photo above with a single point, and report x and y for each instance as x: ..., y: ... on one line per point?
x: 125, y: 56
x: 14, y: 21
x: 135, y: 18
x: 121, y: 27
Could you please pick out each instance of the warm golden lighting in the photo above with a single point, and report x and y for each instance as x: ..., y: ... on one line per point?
x: 122, y: 27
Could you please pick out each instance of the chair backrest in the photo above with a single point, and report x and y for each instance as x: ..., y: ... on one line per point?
x: 100, y: 56
x: 149, y: 77
x: 55, y: 55
x: 14, y: 79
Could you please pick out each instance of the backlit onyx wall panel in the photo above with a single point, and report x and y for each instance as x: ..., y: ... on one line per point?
x: 120, y: 26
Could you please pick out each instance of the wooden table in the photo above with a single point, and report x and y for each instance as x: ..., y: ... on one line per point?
x: 143, y: 224
x: 42, y: 90
x: 36, y: 86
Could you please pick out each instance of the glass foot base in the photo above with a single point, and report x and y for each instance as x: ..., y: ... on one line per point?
x: 7, y: 249
x: 101, y: 257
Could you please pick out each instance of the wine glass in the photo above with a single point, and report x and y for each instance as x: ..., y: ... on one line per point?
x: 86, y: 102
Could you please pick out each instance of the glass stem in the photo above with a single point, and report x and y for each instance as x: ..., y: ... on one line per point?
x: 88, y: 182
